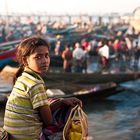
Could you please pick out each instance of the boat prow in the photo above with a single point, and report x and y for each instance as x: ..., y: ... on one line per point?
x: 96, y: 92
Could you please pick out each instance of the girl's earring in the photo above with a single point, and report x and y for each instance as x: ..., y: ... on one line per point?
x: 26, y: 63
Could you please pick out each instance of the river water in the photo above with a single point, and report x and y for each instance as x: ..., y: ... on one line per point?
x: 116, y: 118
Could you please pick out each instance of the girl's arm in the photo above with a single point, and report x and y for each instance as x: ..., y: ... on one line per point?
x: 45, y: 111
x: 66, y: 101
x: 46, y: 115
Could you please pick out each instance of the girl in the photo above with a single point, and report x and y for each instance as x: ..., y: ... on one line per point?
x: 28, y: 109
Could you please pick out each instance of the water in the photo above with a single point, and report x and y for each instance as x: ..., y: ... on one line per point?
x: 116, y: 118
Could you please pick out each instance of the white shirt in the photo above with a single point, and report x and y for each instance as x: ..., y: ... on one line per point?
x: 78, y: 53
x: 104, y: 51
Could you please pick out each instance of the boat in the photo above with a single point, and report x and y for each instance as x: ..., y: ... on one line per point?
x: 7, y: 53
x: 94, y: 92
x: 90, y: 78
x: 95, y: 77
x: 7, y: 50
x: 58, y: 78
x: 93, y: 85
x: 4, y: 62
x: 61, y: 31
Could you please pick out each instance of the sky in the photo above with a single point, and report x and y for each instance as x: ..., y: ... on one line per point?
x: 69, y: 6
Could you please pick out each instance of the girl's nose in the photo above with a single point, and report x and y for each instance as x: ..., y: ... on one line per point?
x: 45, y: 59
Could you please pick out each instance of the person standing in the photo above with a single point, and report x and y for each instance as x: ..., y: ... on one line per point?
x: 104, y: 53
x: 67, y: 58
x: 79, y: 58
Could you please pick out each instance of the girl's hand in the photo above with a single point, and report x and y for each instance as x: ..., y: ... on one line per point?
x: 71, y: 101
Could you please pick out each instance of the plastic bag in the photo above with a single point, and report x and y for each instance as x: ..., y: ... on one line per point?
x: 3, y: 134
x: 76, y: 127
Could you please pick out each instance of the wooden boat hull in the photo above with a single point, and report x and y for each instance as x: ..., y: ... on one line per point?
x: 92, y: 78
x: 8, y: 54
x: 96, y: 92
x: 99, y: 95
x: 5, y: 62
x: 69, y: 79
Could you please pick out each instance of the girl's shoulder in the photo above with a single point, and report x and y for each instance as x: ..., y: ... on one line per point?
x: 29, y: 80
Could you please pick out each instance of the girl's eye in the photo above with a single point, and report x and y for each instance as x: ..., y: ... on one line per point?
x: 38, y: 57
x: 47, y: 56
x: 41, y: 56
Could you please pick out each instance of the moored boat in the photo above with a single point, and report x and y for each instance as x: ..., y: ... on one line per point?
x: 7, y: 53
x: 58, y: 78
x: 94, y: 92
x: 91, y: 78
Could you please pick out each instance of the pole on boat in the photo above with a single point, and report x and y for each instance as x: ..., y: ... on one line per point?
x: 7, y: 15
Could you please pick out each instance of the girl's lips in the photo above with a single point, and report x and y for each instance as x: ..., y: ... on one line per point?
x: 44, y: 67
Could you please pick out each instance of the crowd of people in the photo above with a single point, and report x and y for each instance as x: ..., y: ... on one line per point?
x: 123, y: 51
x: 122, y: 48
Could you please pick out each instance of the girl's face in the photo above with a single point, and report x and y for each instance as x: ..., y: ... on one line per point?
x: 39, y: 61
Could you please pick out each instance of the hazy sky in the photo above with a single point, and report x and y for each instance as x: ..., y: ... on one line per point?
x: 69, y: 6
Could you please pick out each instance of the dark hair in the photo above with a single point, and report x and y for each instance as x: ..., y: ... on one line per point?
x: 26, y: 48
x: 67, y: 45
